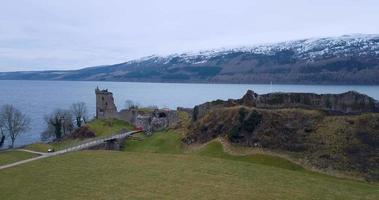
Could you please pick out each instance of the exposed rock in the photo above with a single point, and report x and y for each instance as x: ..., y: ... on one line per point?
x: 249, y: 99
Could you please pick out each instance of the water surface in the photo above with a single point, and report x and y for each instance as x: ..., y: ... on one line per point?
x: 38, y: 98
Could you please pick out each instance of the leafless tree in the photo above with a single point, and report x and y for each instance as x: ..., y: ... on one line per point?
x: 48, y: 133
x: 129, y: 104
x: 61, y: 120
x: 67, y: 125
x: 79, y: 110
x: 2, y: 135
x: 13, y: 122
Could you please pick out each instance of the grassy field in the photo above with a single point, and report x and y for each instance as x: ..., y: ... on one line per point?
x: 8, y: 157
x: 157, y: 167
x: 136, y: 175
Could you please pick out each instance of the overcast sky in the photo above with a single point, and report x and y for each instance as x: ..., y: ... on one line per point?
x: 72, y: 34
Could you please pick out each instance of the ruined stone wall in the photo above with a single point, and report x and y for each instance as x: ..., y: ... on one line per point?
x: 150, y: 121
x: 153, y: 121
x: 346, y: 103
x: 129, y: 115
x: 349, y: 102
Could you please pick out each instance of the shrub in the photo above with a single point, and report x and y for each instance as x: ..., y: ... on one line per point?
x: 252, y: 121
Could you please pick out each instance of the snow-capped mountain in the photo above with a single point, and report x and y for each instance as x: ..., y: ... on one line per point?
x: 349, y: 59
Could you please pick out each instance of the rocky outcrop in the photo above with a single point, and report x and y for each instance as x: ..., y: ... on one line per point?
x: 346, y: 103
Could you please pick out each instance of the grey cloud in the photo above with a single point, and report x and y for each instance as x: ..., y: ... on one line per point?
x: 68, y: 34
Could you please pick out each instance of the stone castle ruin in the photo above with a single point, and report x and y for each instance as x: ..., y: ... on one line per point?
x: 148, y: 120
x: 105, y: 107
x: 341, y: 104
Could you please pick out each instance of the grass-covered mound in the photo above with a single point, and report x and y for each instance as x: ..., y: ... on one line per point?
x: 7, y: 157
x: 335, y: 143
x: 105, y: 127
x: 160, y: 142
x: 215, y: 149
x: 170, y: 142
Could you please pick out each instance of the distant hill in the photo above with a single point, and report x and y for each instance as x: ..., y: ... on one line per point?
x: 349, y: 59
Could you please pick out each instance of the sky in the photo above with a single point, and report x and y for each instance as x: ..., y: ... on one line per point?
x: 72, y: 34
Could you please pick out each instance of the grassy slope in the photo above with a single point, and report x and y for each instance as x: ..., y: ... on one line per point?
x: 108, y: 127
x: 215, y: 149
x: 162, y: 142
x: 169, y: 142
x: 8, y: 157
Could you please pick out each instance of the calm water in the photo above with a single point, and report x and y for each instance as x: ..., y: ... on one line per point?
x: 38, y: 98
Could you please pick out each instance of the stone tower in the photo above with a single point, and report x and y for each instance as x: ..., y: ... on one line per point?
x: 105, y: 107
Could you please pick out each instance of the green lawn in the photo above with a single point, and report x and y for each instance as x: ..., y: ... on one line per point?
x: 8, y: 157
x: 135, y: 175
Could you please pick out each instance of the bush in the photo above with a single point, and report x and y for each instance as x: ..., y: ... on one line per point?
x: 82, y: 132
x: 252, y: 121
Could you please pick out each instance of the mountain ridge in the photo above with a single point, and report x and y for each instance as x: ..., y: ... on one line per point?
x: 348, y: 59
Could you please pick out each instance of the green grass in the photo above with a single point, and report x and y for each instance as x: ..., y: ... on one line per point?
x: 39, y: 147
x: 157, y: 167
x: 170, y: 142
x: 160, y: 142
x: 108, y: 127
x: 135, y: 175
x: 8, y: 157
x: 215, y: 149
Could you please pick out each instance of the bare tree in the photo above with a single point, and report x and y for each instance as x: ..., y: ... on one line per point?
x: 79, y: 110
x: 48, y: 133
x: 129, y: 104
x: 13, y: 122
x: 61, y: 120
x: 2, y: 135
x: 67, y: 124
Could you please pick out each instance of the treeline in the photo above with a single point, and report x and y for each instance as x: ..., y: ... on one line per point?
x: 62, y: 122
x: 59, y: 123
